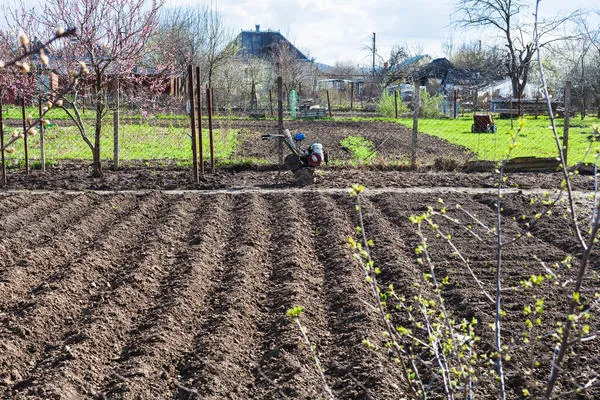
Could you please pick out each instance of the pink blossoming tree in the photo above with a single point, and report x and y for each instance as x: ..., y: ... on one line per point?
x: 110, y: 44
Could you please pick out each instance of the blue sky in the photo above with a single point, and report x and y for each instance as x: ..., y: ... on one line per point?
x: 340, y: 30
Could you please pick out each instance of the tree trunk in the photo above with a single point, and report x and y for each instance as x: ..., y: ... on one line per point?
x: 97, y: 165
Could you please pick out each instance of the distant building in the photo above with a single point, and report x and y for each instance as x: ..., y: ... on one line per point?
x: 441, y: 76
x: 263, y: 44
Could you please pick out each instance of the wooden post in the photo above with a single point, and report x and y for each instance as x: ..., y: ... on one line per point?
x: 25, y: 143
x: 328, y: 103
x: 2, y: 144
x: 280, y: 118
x: 455, y: 112
x: 42, y: 144
x: 116, y: 129
x: 271, y: 101
x: 567, y: 117
x: 416, y: 106
x: 209, y: 107
x: 190, y: 72
x: 351, y: 96
x: 212, y: 101
x: 396, y: 102
x: 199, y: 105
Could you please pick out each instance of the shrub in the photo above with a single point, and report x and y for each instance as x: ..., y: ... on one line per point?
x: 386, y: 106
x: 431, y: 106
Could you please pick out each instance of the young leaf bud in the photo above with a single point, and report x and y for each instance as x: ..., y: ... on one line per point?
x: 24, y: 39
x: 24, y: 67
x: 29, y: 119
x: 2, y: 64
x: 59, y: 103
x: 16, y: 134
x: 49, y: 104
x: 10, y: 150
x: 32, y: 132
x: 44, y: 58
x: 60, y: 31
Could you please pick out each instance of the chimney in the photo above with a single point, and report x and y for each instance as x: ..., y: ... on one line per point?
x: 257, y: 28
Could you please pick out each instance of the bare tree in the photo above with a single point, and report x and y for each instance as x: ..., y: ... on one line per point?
x: 289, y: 64
x: 196, y: 35
x: 503, y: 16
x: 344, y: 69
x: 486, y: 62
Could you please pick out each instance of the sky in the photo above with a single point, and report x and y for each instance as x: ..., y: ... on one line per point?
x: 333, y: 31
x: 341, y: 30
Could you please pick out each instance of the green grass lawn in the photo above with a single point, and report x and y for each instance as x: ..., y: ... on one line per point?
x: 141, y: 141
x: 535, y: 140
x: 136, y: 142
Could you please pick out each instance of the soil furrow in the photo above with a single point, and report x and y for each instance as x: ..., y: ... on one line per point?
x: 130, y: 286
x: 358, y: 371
x: 44, y: 228
x: 41, y: 268
x: 295, y: 279
x: 77, y: 289
x: 226, y: 341
x: 165, y: 330
x: 11, y: 202
x: 41, y: 276
x: 30, y: 211
x: 32, y: 261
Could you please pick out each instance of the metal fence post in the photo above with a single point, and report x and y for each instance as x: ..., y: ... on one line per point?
x: 116, y: 129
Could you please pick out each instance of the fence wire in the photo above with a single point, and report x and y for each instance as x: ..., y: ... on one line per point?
x: 348, y: 139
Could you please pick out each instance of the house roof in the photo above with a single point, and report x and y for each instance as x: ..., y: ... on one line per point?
x: 443, y: 69
x: 260, y: 44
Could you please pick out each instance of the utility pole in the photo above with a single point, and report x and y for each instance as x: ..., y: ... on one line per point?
x: 374, y: 51
x: 373, y: 69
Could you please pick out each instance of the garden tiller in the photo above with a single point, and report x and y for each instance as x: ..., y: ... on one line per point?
x: 301, y: 162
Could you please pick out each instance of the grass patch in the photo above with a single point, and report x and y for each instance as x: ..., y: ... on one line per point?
x: 536, y: 139
x: 361, y: 149
x: 136, y: 142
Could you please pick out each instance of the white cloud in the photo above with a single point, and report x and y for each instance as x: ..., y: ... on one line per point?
x: 340, y: 30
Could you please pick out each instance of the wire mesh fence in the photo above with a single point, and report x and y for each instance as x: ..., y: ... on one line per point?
x: 351, y: 137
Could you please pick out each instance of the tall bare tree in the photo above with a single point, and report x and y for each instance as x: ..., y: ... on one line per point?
x: 503, y: 17
x: 486, y: 62
x: 291, y: 66
x: 196, y: 35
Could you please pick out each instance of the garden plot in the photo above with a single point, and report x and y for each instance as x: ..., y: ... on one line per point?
x: 173, y: 295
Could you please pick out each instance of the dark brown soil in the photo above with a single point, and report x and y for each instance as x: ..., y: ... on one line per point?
x: 147, y: 292
x: 76, y: 175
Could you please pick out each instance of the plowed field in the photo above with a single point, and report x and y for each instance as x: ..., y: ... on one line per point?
x: 158, y: 295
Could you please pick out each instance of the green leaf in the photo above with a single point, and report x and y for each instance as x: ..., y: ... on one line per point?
x: 295, y: 312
